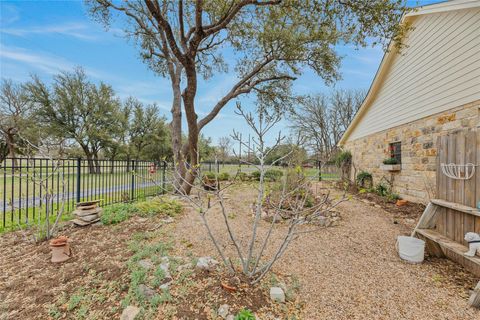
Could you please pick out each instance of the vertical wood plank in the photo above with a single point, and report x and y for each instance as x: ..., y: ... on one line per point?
x: 470, y: 188
x: 451, y: 187
x: 441, y: 183
x: 477, y: 173
x: 459, y: 186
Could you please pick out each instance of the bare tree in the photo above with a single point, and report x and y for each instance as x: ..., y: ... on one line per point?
x: 253, y: 259
x: 224, y: 148
x: 321, y: 120
x: 15, y: 114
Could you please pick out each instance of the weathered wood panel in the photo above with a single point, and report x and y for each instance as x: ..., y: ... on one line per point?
x: 460, y: 148
x: 442, y: 149
x: 470, y: 187
x: 477, y: 184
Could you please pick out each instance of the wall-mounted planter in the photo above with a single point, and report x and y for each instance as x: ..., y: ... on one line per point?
x: 391, y: 167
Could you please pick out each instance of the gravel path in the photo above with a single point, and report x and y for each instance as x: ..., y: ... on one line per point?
x: 350, y: 271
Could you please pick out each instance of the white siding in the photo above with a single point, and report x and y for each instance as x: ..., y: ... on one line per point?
x: 439, y: 70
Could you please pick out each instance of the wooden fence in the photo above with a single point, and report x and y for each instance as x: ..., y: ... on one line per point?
x: 460, y: 147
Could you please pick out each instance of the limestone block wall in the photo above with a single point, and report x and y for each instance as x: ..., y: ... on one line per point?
x: 417, y: 178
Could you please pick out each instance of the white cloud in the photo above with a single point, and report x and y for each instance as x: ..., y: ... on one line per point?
x: 71, y: 29
x: 8, y: 13
x: 46, y: 63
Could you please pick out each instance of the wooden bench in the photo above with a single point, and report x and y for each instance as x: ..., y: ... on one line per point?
x: 441, y: 246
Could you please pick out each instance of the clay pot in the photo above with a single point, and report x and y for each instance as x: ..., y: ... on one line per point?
x: 401, y: 203
x: 61, y: 251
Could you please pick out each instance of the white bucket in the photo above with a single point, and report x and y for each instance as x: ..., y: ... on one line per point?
x: 411, y: 249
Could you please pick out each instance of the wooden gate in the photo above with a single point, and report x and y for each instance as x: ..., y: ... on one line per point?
x: 460, y: 148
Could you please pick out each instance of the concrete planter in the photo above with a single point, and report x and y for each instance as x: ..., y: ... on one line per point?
x: 391, y: 167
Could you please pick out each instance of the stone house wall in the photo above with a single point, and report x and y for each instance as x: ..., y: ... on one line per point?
x: 417, y: 178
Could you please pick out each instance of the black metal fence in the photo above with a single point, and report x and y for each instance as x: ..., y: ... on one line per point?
x: 31, y: 187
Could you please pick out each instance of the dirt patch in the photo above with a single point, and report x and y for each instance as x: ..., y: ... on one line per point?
x: 410, y: 210
x: 408, y: 213
x: 210, y: 292
x: 30, y: 284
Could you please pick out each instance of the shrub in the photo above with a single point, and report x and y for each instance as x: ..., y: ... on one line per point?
x: 158, y: 206
x: 390, y: 161
x: 381, y: 190
x: 343, y: 158
x: 393, y: 196
x: 244, y: 314
x: 210, y: 175
x: 255, y: 175
x: 224, y: 176
x: 117, y: 213
x: 364, y: 179
x: 242, y: 176
x: 273, y: 174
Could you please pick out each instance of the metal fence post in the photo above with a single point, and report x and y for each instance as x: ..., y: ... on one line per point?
x: 132, y: 192
x: 79, y: 169
x: 319, y: 170
x: 164, y: 169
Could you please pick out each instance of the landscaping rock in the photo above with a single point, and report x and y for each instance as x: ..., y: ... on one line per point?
x: 184, y: 267
x: 129, y: 313
x: 165, y: 266
x: 230, y: 317
x: 322, y: 221
x: 165, y: 259
x: 410, y: 221
x: 277, y: 294
x: 146, y: 264
x: 166, y: 285
x: 146, y: 292
x: 168, y: 220
x: 223, y: 311
x: 206, y: 263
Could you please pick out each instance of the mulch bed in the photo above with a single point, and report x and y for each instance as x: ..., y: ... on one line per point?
x: 410, y: 210
x: 31, y: 286
x: 210, y: 291
x: 30, y: 283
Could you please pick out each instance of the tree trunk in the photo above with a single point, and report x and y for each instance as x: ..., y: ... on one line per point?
x: 176, y: 127
x: 189, y: 104
x: 128, y: 163
x: 97, y: 163
x: 89, y: 155
x: 9, y: 137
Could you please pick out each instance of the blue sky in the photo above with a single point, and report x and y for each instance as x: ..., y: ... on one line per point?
x: 44, y: 37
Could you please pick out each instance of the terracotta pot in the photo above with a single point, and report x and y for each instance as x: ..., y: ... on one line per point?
x: 59, y: 241
x: 61, y: 251
x: 401, y: 203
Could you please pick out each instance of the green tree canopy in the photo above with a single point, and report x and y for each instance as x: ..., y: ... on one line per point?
x: 75, y: 108
x: 273, y: 41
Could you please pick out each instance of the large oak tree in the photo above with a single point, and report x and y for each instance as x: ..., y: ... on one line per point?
x: 75, y: 108
x: 273, y: 42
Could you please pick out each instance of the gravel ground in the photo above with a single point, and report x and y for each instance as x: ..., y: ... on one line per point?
x: 350, y: 271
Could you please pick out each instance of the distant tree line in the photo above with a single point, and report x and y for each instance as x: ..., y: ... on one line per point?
x: 321, y: 119
x: 73, y: 117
